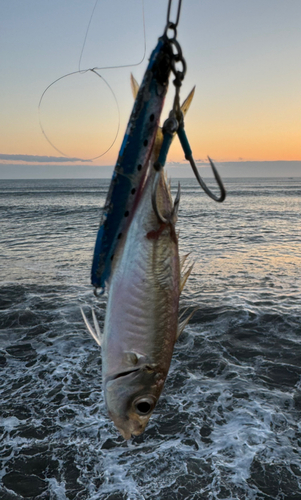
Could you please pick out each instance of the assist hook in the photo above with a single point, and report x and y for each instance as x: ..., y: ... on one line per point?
x: 219, y: 181
x: 169, y: 130
x: 188, y: 155
x: 175, y: 125
x: 171, y: 127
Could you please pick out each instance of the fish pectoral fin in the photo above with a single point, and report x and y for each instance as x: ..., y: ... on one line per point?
x: 185, y: 322
x: 185, y: 277
x: 96, y: 335
x: 132, y: 357
x: 134, y: 86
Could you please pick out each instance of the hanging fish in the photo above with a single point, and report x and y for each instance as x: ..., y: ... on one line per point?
x: 141, y: 323
x: 142, y: 314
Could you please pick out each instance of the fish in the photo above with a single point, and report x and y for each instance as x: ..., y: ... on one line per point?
x: 141, y: 322
x: 133, y: 160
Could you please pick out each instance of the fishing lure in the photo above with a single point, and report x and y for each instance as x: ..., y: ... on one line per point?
x: 133, y: 162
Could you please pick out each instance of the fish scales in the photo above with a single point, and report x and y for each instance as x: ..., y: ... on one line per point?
x: 142, y: 314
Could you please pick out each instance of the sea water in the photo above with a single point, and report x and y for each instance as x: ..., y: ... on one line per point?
x: 227, y: 425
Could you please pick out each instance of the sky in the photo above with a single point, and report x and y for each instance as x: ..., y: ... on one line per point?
x: 243, y: 56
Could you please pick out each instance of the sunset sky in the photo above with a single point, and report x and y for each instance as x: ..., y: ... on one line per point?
x: 243, y: 56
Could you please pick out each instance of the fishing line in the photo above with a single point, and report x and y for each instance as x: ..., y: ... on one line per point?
x: 93, y: 70
x: 86, y: 34
x: 115, y: 99
x: 123, y: 65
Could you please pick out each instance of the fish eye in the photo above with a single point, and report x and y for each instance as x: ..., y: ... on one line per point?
x: 144, y: 406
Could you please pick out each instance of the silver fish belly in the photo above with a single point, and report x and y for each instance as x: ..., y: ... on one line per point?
x: 142, y: 314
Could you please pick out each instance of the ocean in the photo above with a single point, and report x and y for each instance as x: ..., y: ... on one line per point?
x: 227, y: 425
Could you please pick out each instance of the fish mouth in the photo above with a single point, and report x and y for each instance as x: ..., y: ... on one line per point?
x: 143, y: 367
x: 142, y: 408
x: 122, y: 374
x: 129, y: 403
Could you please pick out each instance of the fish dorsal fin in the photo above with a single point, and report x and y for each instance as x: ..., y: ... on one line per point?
x: 184, y: 323
x: 183, y: 260
x: 185, y: 277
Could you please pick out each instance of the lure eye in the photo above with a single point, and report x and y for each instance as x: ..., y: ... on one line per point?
x: 144, y: 406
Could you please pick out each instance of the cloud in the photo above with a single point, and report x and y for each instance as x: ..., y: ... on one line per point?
x: 175, y: 163
x: 202, y: 160
x: 184, y: 162
x: 39, y: 159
